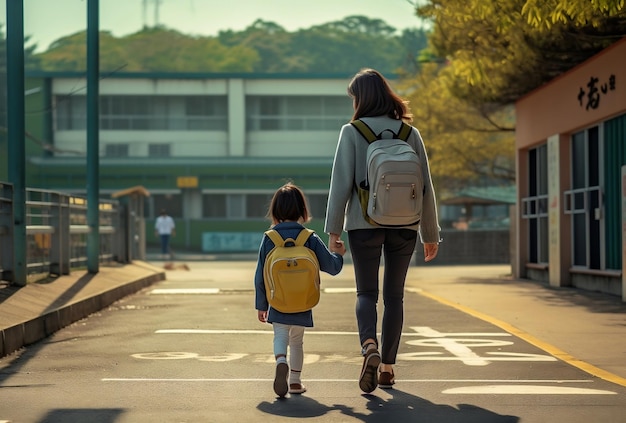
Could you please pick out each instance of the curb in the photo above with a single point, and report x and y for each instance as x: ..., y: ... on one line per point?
x: 35, y: 329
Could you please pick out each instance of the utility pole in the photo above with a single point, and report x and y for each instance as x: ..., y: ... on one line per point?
x: 93, y: 137
x: 144, y: 13
x: 16, y: 128
x: 157, y: 5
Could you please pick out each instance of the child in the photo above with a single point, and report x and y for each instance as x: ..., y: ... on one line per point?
x: 288, y: 211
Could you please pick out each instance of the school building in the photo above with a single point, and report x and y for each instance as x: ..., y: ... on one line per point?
x: 571, y: 196
x: 211, y: 149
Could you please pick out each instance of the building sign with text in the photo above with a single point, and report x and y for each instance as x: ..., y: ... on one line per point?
x: 594, y: 90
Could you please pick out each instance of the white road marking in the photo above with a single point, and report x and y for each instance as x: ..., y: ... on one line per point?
x: 308, y: 332
x: 474, y: 361
x: 182, y: 355
x: 458, y: 347
x: 186, y: 291
x: 338, y: 290
x: 556, y: 381
x: 526, y: 390
x: 242, y: 332
x: 213, y: 291
x: 508, y: 387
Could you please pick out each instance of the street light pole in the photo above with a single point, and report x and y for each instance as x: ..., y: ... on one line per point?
x: 93, y: 136
x: 15, y: 131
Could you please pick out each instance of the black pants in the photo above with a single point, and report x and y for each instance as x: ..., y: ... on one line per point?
x: 366, y: 246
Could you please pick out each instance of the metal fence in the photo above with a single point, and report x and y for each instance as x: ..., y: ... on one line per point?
x: 57, y: 231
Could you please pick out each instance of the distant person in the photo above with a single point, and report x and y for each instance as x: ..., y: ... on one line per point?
x: 165, y: 228
x: 383, y: 111
x: 288, y: 212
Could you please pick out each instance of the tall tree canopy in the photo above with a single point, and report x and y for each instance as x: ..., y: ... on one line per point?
x: 150, y: 50
x: 500, y: 50
x: 467, y: 144
x: 483, y: 56
x: 264, y: 47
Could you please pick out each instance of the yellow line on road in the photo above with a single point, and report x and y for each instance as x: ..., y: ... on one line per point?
x: 550, y: 349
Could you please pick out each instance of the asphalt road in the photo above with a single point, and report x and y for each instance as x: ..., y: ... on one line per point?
x: 190, y: 349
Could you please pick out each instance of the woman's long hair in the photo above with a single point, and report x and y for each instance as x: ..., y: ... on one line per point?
x: 373, y: 96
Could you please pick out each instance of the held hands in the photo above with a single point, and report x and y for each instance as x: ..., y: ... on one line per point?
x: 336, y: 245
x: 430, y: 251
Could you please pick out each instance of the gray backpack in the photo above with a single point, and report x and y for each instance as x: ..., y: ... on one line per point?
x: 393, y: 189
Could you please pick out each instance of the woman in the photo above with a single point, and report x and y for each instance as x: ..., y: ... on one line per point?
x: 382, y: 110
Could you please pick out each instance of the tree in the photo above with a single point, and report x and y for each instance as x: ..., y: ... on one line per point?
x: 163, y: 50
x: 270, y: 41
x: 485, y: 55
x: 150, y: 50
x: 347, y: 45
x: 498, y: 51
x: 543, y: 14
x: 264, y: 47
x: 466, y: 144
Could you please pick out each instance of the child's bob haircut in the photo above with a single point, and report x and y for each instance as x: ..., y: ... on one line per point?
x: 289, y: 204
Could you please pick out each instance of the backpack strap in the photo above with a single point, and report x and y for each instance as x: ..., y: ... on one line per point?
x: 303, y: 236
x: 278, y: 240
x: 367, y: 133
x: 364, y: 130
x: 275, y: 237
x: 404, y: 132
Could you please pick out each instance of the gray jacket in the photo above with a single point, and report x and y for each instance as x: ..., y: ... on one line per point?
x: 349, y: 168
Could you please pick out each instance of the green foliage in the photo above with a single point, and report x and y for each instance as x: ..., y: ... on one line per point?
x: 466, y: 143
x: 543, y: 14
x: 342, y: 46
x: 149, y: 50
x: 499, y: 51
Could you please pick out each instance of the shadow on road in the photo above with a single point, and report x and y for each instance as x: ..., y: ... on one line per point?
x: 402, y: 407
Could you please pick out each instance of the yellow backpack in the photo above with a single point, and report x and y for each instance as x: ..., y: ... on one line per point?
x: 291, y: 274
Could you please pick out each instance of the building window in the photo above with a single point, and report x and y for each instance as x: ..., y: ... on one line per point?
x: 584, y: 200
x: 71, y: 112
x: 236, y: 206
x: 116, y: 150
x: 146, y: 113
x: 535, y: 205
x: 206, y: 113
x: 214, y: 206
x: 159, y: 150
x: 297, y: 113
x: 257, y: 205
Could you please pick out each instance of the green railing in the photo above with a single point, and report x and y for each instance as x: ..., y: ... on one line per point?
x: 57, y: 232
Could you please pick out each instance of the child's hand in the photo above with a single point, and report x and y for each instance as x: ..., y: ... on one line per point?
x: 336, y: 245
x: 262, y: 315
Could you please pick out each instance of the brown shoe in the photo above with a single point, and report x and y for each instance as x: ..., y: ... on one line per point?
x: 369, y: 372
x: 280, y: 380
x: 386, y: 380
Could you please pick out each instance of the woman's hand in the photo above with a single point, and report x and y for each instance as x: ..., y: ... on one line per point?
x: 262, y: 314
x: 430, y: 250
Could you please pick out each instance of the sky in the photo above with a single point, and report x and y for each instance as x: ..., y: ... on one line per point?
x: 47, y: 20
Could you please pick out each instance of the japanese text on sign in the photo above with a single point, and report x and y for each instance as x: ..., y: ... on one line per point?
x: 590, y: 96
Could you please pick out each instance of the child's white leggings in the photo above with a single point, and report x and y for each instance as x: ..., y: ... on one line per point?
x: 293, y: 336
